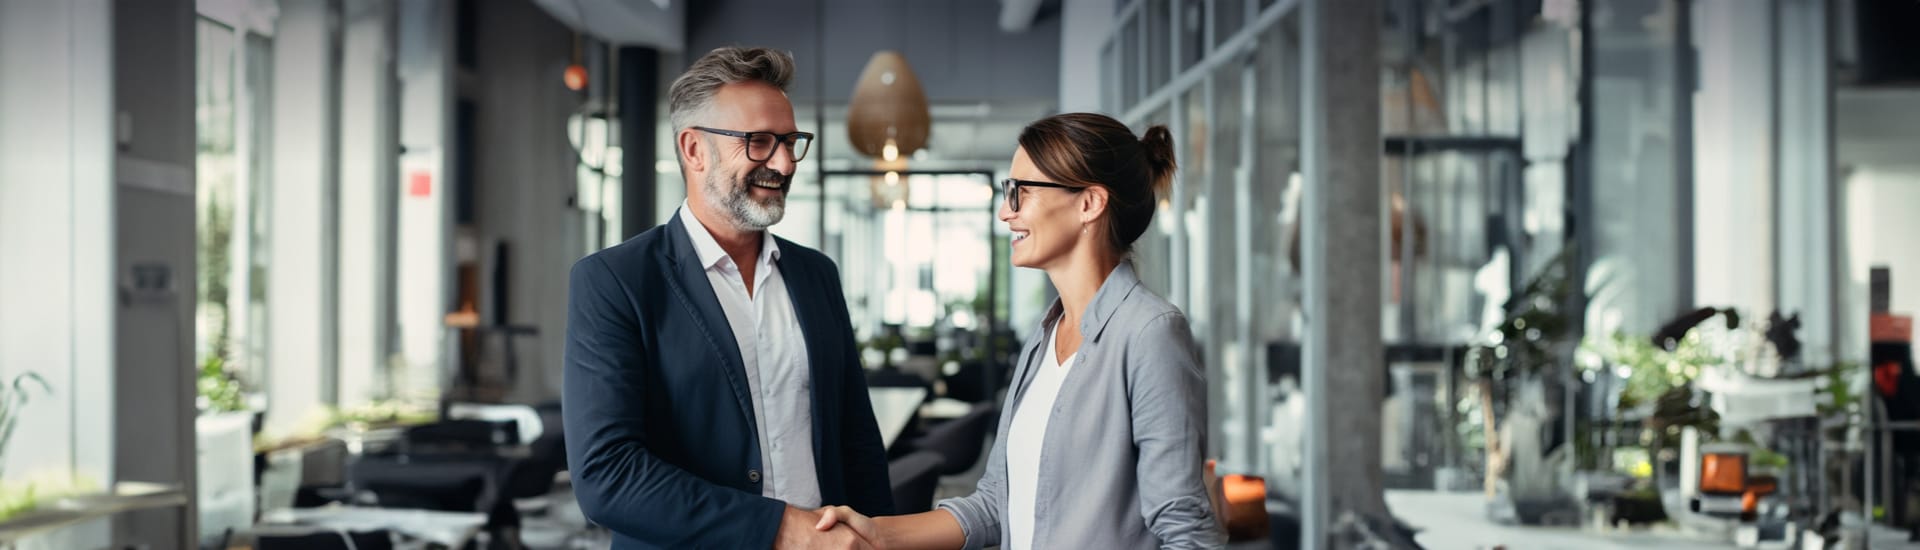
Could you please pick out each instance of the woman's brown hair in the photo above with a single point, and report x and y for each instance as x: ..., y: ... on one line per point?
x: 1087, y: 149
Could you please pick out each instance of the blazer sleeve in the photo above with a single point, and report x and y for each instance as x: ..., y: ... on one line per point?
x: 863, y: 453
x: 618, y: 482
x: 1167, y: 392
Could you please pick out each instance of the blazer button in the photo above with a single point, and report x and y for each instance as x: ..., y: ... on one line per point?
x: 753, y: 476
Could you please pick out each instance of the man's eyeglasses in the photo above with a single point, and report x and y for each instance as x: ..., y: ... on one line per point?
x: 760, y: 145
x: 1011, y: 187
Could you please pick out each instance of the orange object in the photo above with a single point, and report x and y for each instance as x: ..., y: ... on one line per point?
x: 575, y: 77
x: 1758, y: 487
x: 1246, y: 512
x: 1723, y: 473
x: 1887, y: 327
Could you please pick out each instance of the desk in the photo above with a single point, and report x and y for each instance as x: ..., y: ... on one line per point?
x: 453, y: 529
x: 945, y: 408
x: 893, y: 408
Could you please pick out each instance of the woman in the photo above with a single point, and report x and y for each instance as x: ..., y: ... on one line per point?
x: 1102, y: 442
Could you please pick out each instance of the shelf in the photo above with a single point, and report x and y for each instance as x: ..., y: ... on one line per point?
x: 73, y: 510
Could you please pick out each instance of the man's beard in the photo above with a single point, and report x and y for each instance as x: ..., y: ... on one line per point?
x: 736, y: 200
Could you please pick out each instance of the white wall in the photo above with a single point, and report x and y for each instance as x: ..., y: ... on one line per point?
x: 57, y: 241
x: 1881, y: 202
x: 1883, y: 222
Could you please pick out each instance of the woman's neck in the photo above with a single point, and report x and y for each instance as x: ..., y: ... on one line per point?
x: 1078, y: 279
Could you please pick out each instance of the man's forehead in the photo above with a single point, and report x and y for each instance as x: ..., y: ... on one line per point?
x: 753, y: 103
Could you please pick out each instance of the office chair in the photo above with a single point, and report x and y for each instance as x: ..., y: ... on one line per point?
x: 914, y: 478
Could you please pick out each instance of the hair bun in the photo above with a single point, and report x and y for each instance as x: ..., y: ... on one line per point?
x: 1158, y: 146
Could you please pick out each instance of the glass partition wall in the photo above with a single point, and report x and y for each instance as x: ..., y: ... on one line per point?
x: 1478, y: 114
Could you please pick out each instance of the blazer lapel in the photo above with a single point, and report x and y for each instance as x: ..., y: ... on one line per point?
x: 688, y: 282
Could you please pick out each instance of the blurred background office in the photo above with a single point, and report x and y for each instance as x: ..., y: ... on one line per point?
x: 1463, y: 273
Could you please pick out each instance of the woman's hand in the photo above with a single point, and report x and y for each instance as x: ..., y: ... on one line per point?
x: 1215, y: 496
x: 861, y: 525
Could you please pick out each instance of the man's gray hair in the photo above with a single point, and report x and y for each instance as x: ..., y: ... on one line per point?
x: 692, y: 93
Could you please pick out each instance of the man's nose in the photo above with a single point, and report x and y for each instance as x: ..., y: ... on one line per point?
x: 782, y: 160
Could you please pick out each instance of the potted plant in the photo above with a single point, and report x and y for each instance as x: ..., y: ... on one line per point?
x: 13, y: 397
x: 1512, y: 370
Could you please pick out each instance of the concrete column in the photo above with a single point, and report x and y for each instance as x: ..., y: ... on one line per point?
x: 302, y: 292
x: 1808, y: 244
x: 423, y: 263
x: 368, y: 170
x: 639, y: 115
x: 1341, y: 241
x: 1733, y: 145
x: 154, y: 55
x: 1084, y: 25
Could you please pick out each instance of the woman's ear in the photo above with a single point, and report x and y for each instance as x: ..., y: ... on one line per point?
x: 1093, y: 202
x: 691, y: 149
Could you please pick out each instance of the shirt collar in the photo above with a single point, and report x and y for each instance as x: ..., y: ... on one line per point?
x: 708, y: 249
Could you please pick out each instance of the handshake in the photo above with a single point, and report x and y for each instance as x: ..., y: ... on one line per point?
x: 841, y: 527
x: 831, y: 527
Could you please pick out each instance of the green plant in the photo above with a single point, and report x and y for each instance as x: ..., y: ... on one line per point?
x: 12, y: 398
x: 1651, y: 372
x: 222, y: 391
x: 1537, y: 321
x: 1841, y: 398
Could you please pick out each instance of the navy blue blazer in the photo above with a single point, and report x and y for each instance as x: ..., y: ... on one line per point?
x: 661, y: 434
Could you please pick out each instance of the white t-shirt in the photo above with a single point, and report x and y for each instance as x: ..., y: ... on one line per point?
x: 1025, y: 436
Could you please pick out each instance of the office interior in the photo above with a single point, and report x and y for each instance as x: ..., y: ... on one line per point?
x: 1461, y: 273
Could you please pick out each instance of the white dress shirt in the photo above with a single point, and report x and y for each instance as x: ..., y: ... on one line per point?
x: 774, y: 351
x: 1024, y: 436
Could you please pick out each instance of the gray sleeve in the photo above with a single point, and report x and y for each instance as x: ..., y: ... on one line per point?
x: 981, y: 512
x: 1168, y: 393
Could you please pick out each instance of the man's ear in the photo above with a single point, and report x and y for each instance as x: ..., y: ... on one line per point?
x: 1093, y: 202
x: 692, y: 150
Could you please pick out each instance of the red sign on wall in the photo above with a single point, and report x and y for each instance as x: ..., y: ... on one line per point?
x: 420, y: 184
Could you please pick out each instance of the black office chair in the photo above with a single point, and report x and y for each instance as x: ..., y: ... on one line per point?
x: 460, y: 435
x: 445, y: 482
x: 546, y: 457
x: 959, y: 441
x: 893, y: 377
x: 451, y: 465
x: 327, y: 540
x: 914, y: 478
x: 970, y: 383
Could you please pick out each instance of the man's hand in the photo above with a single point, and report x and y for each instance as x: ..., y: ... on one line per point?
x: 799, y: 531
x: 843, y: 517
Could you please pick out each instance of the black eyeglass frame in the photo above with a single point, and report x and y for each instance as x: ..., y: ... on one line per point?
x: 1011, y: 187
x: 795, y: 150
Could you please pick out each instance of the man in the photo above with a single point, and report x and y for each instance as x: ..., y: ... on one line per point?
x: 714, y: 397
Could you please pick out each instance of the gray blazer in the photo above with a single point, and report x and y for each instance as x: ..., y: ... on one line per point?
x: 1121, y: 462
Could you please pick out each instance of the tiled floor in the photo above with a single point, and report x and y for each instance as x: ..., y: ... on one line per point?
x: 1459, y: 521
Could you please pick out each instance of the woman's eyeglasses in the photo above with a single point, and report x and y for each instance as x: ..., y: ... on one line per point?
x: 1011, y: 187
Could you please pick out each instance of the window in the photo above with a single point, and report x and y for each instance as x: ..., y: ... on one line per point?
x: 230, y: 110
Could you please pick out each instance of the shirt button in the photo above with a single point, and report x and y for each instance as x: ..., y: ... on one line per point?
x: 753, y: 476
